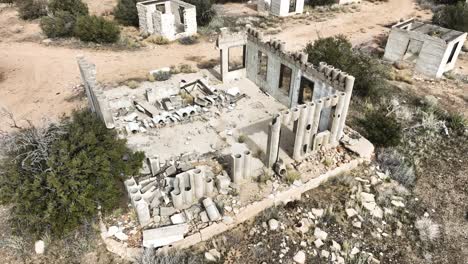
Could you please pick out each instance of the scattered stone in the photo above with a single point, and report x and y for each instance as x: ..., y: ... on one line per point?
x: 317, y: 212
x: 167, y: 211
x: 39, y: 247
x: 300, y: 257
x: 121, y: 236
x: 354, y: 251
x: 336, y: 246
x: 351, y: 212
x: 228, y: 220
x: 318, y: 243
x: 319, y: 233
x: 303, y: 244
x: 324, y: 253
x: 178, y: 219
x: 214, y: 252
x: 209, y: 257
x: 357, y: 224
x: 273, y: 224
x: 398, y: 203
x: 304, y: 225
x: 111, y: 231
x: 228, y: 208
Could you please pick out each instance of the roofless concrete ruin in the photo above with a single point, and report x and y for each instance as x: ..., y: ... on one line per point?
x: 273, y: 113
x: 433, y: 49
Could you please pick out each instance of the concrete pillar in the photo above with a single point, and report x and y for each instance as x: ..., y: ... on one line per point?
x: 154, y: 165
x: 224, y: 64
x: 209, y: 187
x: 336, y: 119
x: 306, y: 142
x: 237, y: 168
x: 300, y: 129
x: 274, y: 134
x: 199, y: 182
x: 287, y: 116
x: 247, y: 172
x: 316, y: 119
x: 349, y: 84
x: 211, y: 209
x: 187, y: 188
x: 142, y: 210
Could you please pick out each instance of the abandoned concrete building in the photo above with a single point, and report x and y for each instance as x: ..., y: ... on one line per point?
x: 272, y: 113
x: 280, y: 7
x: 171, y: 19
x: 433, y: 49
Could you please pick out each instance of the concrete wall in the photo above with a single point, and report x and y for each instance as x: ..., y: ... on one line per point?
x: 279, y: 7
x: 433, y: 56
x: 152, y: 21
x: 97, y: 101
x: 225, y: 41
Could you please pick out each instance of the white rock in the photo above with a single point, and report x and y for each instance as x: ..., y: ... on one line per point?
x: 317, y: 212
x: 121, y: 236
x: 273, y: 224
x: 215, y: 253
x: 354, y: 251
x: 228, y: 220
x: 367, y: 197
x: 300, y: 257
x: 318, y: 243
x: 209, y: 257
x: 228, y: 208
x: 357, y: 224
x: 398, y: 203
x: 351, y: 212
x: 112, y: 230
x: 336, y: 246
x: 303, y: 244
x: 39, y: 247
x: 178, y: 219
x: 325, y: 253
x: 319, y: 233
x: 377, y: 212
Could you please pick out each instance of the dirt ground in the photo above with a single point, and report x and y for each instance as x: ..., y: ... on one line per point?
x: 38, y: 79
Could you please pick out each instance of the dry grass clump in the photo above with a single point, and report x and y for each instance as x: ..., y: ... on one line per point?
x: 157, y: 40
x: 428, y: 230
x: 399, y: 168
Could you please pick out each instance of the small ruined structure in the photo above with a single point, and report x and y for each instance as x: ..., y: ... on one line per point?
x: 281, y: 7
x: 171, y: 19
x: 433, y: 49
x: 208, y: 142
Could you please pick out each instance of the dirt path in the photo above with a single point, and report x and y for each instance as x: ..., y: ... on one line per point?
x: 39, y: 78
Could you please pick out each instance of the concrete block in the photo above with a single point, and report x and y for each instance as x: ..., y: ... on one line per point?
x: 163, y: 236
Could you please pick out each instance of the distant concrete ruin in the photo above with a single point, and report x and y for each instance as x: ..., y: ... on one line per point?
x: 281, y: 7
x: 432, y: 48
x: 171, y: 19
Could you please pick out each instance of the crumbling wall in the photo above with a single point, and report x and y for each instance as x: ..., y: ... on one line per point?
x: 97, y: 101
x: 224, y: 42
x: 279, y: 7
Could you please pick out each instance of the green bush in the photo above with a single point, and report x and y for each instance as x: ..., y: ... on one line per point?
x: 59, y: 25
x: 31, y: 9
x: 96, y: 29
x: 453, y: 16
x: 381, y: 130
x: 74, y: 7
x: 55, y: 178
x: 337, y: 51
x: 190, y: 40
x: 126, y: 13
x: 205, y: 11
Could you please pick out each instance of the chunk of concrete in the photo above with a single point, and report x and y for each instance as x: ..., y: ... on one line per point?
x: 300, y: 257
x: 39, y: 247
x: 178, y: 219
x: 319, y: 233
x: 163, y: 236
x: 360, y: 146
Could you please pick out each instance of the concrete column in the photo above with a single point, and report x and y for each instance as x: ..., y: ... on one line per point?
x: 211, y: 209
x: 306, y: 142
x: 274, y: 134
x: 237, y: 168
x: 349, y: 84
x: 209, y: 187
x: 199, y: 183
x: 142, y: 211
x: 316, y: 119
x: 301, y: 125
x: 154, y: 165
x: 224, y: 64
x: 337, y: 118
x: 287, y: 116
x: 187, y: 190
x: 247, y: 172
x: 177, y: 199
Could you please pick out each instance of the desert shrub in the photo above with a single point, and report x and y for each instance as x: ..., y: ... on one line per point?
x: 7, y: 1
x: 74, y: 7
x: 337, y: 51
x: 126, y: 12
x: 162, y: 75
x: 381, y: 130
x: 428, y: 230
x: 452, y: 16
x: 399, y: 169
x: 322, y: 2
x: 241, y: 138
x: 186, y: 68
x: 457, y: 122
x: 158, y: 40
x: 265, y: 175
x: 149, y: 256
x: 56, y: 177
x: 292, y: 175
x: 31, y: 9
x: 96, y: 29
x: 190, y: 40
x: 59, y: 25
x: 205, y: 11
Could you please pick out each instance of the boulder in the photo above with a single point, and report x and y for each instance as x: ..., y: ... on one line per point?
x: 273, y: 224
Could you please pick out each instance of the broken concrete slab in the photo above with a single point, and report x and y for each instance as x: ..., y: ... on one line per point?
x: 162, y: 236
